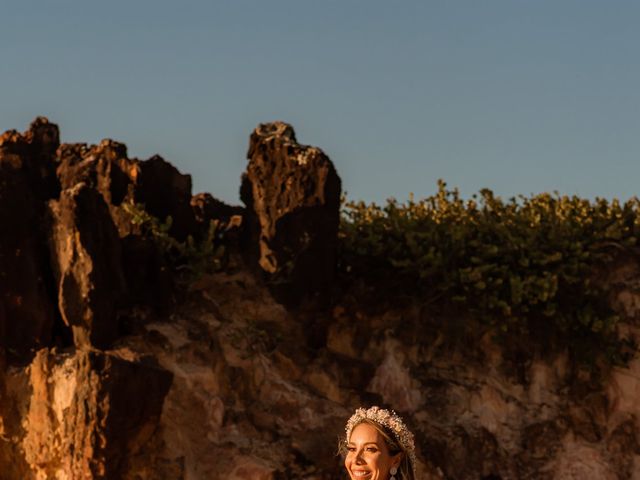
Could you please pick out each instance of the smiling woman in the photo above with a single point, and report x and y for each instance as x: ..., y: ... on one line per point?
x: 378, y: 446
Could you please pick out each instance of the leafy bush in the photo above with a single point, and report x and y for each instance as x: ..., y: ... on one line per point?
x: 190, y: 258
x: 507, y: 262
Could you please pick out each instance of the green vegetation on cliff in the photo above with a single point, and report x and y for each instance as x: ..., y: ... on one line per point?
x: 512, y: 264
x: 522, y: 266
x: 189, y: 258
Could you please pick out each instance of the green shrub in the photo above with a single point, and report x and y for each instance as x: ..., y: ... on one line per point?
x: 509, y: 263
x: 189, y: 259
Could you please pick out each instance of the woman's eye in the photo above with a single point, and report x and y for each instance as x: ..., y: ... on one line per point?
x: 351, y: 449
x: 371, y: 449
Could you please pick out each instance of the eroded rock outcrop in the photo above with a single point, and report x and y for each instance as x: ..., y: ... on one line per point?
x: 87, y: 261
x: 292, y: 194
x: 89, y: 413
x: 75, y: 411
x: 105, y: 168
x: 154, y: 183
x: 232, y: 383
x: 27, y: 181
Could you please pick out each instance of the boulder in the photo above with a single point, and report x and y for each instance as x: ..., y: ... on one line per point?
x: 292, y: 194
x: 88, y: 413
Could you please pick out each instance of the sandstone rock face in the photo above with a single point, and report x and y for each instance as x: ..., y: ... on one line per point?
x: 230, y: 383
x: 33, y: 152
x: 251, y: 400
x: 154, y: 183
x: 240, y: 405
x: 126, y: 184
x: 105, y: 168
x: 88, y: 413
x: 292, y: 194
x: 85, y: 248
x: 74, y: 411
x: 26, y: 182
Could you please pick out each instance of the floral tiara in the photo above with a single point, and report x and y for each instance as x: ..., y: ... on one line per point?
x: 392, y: 422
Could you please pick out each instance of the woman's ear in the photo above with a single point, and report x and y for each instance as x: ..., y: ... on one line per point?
x: 396, y: 459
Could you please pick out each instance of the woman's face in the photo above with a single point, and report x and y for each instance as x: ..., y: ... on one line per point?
x: 368, y: 457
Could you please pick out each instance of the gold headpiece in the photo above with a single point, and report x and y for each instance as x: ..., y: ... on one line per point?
x: 389, y: 420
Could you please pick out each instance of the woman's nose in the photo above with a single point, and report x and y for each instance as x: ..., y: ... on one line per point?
x: 359, y: 459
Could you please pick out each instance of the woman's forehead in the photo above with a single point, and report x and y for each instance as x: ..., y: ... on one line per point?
x: 365, y: 433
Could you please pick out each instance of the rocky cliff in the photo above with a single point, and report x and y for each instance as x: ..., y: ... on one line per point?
x: 118, y: 365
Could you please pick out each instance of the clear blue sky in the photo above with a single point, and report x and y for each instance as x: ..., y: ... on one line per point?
x: 517, y: 96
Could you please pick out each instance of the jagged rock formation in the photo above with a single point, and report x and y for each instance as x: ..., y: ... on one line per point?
x: 154, y: 183
x: 27, y: 181
x: 108, y: 372
x: 71, y: 263
x: 87, y: 258
x: 292, y: 194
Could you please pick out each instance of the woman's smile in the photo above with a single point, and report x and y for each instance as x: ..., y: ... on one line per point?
x: 367, y: 454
